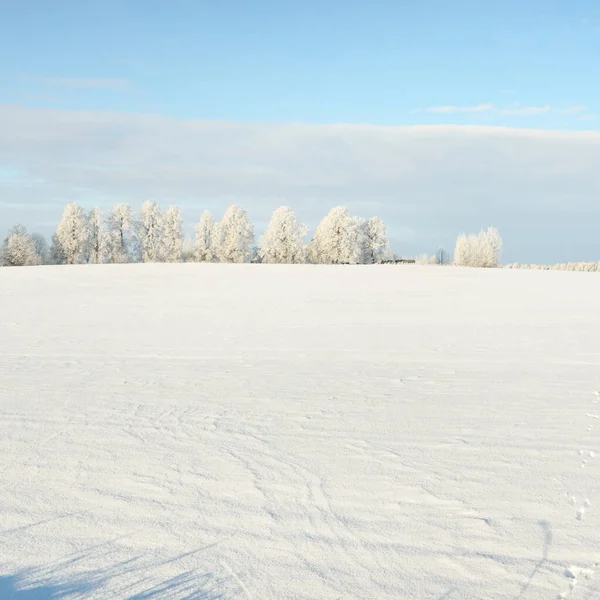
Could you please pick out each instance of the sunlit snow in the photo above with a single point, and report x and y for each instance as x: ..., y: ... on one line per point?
x: 298, y: 432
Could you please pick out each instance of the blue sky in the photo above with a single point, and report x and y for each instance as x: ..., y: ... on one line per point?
x: 331, y: 61
x: 522, y: 65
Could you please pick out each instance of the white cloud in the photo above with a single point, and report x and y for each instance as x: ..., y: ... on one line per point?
x: 571, y: 110
x: 451, y: 110
x: 526, y: 111
x: 541, y: 188
x: 515, y: 110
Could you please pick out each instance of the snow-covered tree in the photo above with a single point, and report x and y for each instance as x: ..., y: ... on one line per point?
x: 205, y: 238
x: 71, y: 233
x: 283, y: 241
x: 337, y: 239
x: 374, y: 243
x: 119, y: 234
x: 492, y: 246
x: 150, y: 232
x: 235, y: 236
x: 18, y: 249
x: 481, y: 250
x: 463, y: 249
x: 172, y: 238
x: 95, y: 238
x: 41, y: 247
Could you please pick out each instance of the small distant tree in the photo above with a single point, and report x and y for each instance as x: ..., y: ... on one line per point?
x: 95, y: 249
x: 41, y: 247
x: 463, y: 250
x: 423, y: 259
x: 149, y: 229
x: 57, y: 254
x: 188, y: 249
x: 119, y: 234
x: 71, y: 233
x: 441, y: 257
x: 18, y: 249
x: 283, y: 241
x: 172, y: 238
x: 255, y: 255
x: 205, y: 238
x: 235, y: 236
x: 491, y: 247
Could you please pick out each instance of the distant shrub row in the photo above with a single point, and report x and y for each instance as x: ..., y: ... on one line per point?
x: 572, y: 266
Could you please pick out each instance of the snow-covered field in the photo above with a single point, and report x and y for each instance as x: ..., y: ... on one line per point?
x: 303, y: 432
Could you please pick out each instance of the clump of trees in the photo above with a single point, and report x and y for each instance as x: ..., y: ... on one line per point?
x: 342, y: 238
x: 155, y: 235
x: 480, y: 250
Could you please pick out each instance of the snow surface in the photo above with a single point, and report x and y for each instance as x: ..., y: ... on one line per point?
x: 298, y: 432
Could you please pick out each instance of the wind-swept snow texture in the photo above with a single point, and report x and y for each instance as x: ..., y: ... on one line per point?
x: 274, y: 432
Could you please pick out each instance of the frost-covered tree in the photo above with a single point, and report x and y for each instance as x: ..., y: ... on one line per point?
x: 465, y: 245
x: 235, y: 236
x: 283, y: 241
x: 95, y: 251
x: 119, y: 234
x: 71, y: 233
x: 150, y: 232
x: 205, y: 238
x: 374, y: 243
x: 172, y: 237
x: 481, y: 250
x: 337, y: 239
x: 18, y: 249
x: 491, y: 248
x: 41, y: 247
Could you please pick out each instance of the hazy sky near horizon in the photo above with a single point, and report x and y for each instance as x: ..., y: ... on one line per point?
x: 440, y: 117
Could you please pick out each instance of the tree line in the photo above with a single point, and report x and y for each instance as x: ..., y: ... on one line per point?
x: 155, y: 235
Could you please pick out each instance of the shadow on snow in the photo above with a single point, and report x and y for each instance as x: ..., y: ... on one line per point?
x: 127, y: 579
